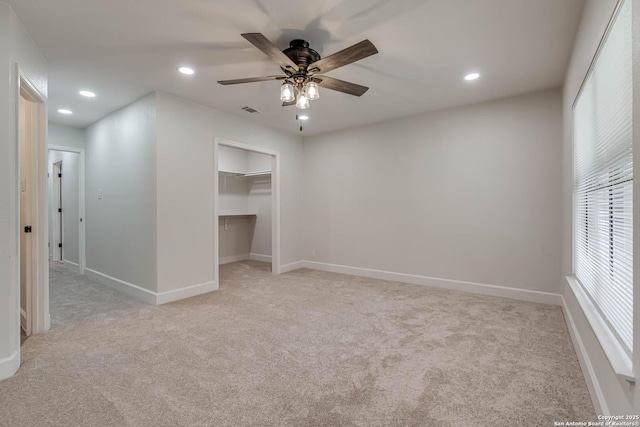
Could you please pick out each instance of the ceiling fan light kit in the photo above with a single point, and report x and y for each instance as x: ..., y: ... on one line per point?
x: 304, y: 69
x: 302, y: 102
x: 287, y: 92
x: 312, y: 91
x: 301, y: 93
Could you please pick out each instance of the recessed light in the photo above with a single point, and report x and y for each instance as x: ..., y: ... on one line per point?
x: 303, y: 117
x: 186, y: 70
x: 64, y: 111
x: 87, y: 93
x: 471, y: 76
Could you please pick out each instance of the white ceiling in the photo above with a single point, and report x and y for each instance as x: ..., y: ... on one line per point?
x: 124, y: 49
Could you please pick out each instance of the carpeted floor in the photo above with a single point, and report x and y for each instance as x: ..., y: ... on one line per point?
x: 305, y: 348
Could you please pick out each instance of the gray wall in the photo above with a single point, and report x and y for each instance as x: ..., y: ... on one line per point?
x: 121, y: 227
x: 236, y: 239
x: 66, y: 135
x: 619, y: 396
x: 469, y: 194
x: 260, y: 197
x: 260, y: 203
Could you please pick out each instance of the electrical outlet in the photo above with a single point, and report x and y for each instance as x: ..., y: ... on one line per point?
x: 313, y: 253
x: 100, y: 194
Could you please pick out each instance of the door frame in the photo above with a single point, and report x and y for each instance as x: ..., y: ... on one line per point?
x: 39, y: 299
x: 275, y: 203
x: 81, y: 202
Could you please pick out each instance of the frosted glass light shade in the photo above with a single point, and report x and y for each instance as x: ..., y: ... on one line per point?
x: 303, y: 102
x: 313, y: 91
x: 287, y: 93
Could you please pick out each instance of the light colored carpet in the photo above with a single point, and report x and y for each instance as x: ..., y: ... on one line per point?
x: 305, y: 348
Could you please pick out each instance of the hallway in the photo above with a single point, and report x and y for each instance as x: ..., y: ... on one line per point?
x: 76, y: 300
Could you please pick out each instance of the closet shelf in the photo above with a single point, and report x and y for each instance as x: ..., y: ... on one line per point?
x: 227, y: 215
x: 257, y: 174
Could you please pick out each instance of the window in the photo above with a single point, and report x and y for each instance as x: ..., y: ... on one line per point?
x: 603, y: 182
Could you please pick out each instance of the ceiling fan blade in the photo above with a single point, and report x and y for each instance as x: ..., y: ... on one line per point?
x: 251, y: 80
x: 287, y: 104
x: 271, y: 50
x: 340, y: 85
x: 346, y: 56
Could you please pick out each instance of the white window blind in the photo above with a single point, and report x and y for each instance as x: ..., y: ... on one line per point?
x: 603, y: 166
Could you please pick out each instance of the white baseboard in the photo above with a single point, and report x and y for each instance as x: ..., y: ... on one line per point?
x: 291, y: 267
x: 593, y: 385
x: 145, y: 295
x: 434, y: 282
x: 188, y: 292
x: 9, y: 365
x: 261, y: 258
x: 72, y: 265
x: 122, y: 286
x: 233, y: 258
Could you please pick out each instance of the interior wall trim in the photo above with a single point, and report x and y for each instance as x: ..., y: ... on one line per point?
x: 259, y: 257
x: 72, y: 265
x: 593, y: 385
x: 434, y: 282
x: 145, y: 295
x: 186, y: 292
x: 233, y: 258
x: 130, y: 289
x: 9, y: 365
x: 292, y: 266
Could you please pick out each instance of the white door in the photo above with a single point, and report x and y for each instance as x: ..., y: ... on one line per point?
x: 26, y: 212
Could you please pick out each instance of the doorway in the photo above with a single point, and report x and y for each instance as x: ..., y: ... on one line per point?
x: 246, y: 203
x: 66, y: 207
x: 31, y: 206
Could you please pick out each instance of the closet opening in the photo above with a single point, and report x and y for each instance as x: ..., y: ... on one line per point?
x: 246, y: 205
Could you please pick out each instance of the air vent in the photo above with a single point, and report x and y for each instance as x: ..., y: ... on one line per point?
x: 250, y: 110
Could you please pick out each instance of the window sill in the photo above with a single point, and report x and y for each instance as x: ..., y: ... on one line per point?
x: 618, y: 357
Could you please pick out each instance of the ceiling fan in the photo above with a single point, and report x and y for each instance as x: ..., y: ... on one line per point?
x: 304, y: 69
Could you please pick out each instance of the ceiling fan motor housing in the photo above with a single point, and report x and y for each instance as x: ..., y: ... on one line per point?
x: 304, y: 69
x: 300, y: 53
